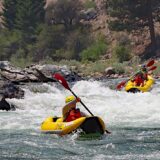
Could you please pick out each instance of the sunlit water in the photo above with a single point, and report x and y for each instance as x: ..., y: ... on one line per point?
x: 133, y: 119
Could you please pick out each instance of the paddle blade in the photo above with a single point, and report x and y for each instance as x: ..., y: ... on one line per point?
x: 120, y: 85
x: 152, y: 68
x: 150, y: 63
x: 61, y: 80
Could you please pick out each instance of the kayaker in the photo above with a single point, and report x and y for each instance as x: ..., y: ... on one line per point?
x: 141, y: 76
x: 69, y: 111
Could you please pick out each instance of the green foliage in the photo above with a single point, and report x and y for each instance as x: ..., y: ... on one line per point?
x: 117, y: 25
x: 130, y: 14
x: 157, y: 70
x: 89, y: 4
x: 50, y: 39
x: 20, y: 60
x: 59, y: 44
x: 77, y: 41
x: 98, y: 67
x: 122, y: 53
x: 9, y: 43
x: 64, y: 12
x: 134, y: 14
x: 94, y: 52
x: 22, y: 19
x: 29, y: 14
x: 119, y: 68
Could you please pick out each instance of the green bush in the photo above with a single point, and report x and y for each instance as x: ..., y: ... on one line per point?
x: 94, y: 51
x: 9, y: 43
x: 157, y: 70
x: 119, y: 68
x: 122, y: 53
x: 77, y: 41
x: 20, y: 60
x: 89, y: 4
x: 119, y: 26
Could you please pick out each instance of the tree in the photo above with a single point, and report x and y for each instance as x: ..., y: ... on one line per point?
x: 134, y: 14
x: 65, y: 12
x: 9, y: 13
x: 29, y: 14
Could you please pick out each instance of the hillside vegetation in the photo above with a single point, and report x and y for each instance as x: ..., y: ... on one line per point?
x: 109, y: 31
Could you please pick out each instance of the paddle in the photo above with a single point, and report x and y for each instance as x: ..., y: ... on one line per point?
x: 62, y: 81
x: 150, y: 63
x: 152, y: 68
x: 122, y: 84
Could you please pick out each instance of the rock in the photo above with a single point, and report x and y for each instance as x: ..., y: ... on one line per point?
x: 36, y: 73
x: 110, y: 71
x: 9, y: 90
x: 4, y: 105
x: 3, y: 64
x: 89, y: 14
x: 48, y: 70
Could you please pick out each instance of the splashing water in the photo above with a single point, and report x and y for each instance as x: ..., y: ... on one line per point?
x: 133, y: 119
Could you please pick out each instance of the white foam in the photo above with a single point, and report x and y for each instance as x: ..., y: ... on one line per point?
x: 117, y: 109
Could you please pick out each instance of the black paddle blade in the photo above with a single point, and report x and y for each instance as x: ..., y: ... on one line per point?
x: 61, y: 80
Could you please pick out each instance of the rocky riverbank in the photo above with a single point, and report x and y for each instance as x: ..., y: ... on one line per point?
x: 12, y: 77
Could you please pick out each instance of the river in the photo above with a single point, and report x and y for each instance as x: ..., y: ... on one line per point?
x: 133, y: 119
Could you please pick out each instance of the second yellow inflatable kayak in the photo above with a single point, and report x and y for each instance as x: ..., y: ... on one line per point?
x: 130, y: 87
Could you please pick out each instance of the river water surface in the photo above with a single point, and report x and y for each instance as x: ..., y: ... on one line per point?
x: 133, y: 119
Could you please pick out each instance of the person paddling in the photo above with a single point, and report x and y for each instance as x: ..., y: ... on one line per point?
x: 69, y: 111
x: 140, y: 77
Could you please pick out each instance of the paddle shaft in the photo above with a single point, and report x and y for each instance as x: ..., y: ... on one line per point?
x: 81, y: 102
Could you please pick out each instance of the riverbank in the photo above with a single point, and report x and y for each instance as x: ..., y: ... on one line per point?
x: 12, y: 77
x: 73, y: 70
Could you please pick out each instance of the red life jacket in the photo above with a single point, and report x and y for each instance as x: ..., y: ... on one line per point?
x: 73, y: 114
x: 139, y: 79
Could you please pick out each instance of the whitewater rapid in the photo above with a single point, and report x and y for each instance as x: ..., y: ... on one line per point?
x: 118, y: 109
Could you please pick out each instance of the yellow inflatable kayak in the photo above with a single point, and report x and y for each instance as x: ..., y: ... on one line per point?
x: 130, y: 87
x: 88, y: 125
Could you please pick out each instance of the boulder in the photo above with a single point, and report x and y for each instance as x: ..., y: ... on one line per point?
x: 110, y: 71
x: 4, y: 105
x: 36, y: 73
x: 10, y: 90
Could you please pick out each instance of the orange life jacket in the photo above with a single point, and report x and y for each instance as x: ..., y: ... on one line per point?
x: 73, y: 114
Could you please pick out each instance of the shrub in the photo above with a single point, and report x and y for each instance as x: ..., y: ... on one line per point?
x: 94, y: 51
x: 9, y: 43
x: 20, y: 60
x: 89, y: 4
x: 119, y: 68
x: 122, y: 53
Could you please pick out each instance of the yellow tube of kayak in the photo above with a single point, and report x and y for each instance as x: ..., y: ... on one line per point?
x: 60, y: 127
x: 56, y: 125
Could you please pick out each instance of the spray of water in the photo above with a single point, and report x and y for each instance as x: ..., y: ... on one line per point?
x: 117, y: 109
